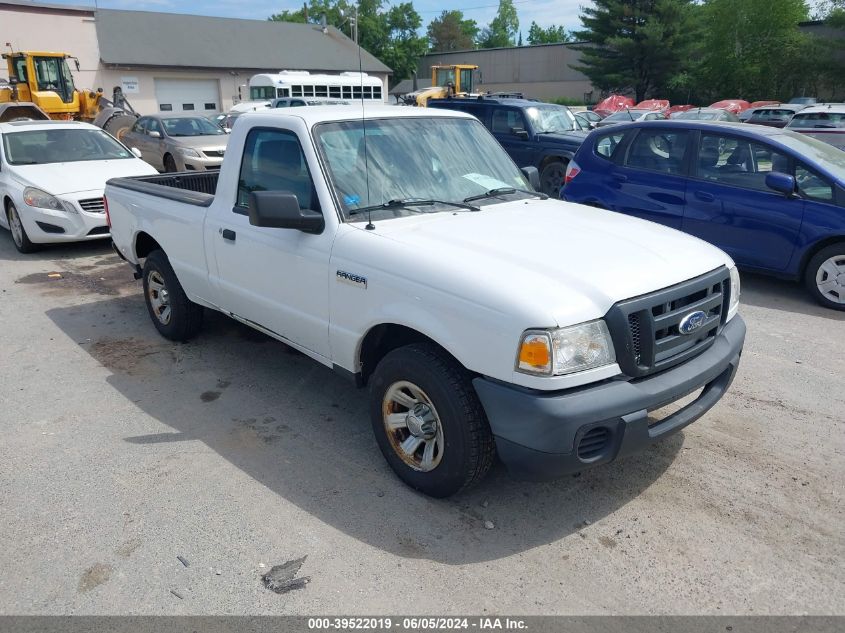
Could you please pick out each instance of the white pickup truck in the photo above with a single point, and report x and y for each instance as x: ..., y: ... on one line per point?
x: 404, y: 249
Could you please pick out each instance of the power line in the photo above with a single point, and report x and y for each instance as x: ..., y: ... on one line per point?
x: 485, y: 6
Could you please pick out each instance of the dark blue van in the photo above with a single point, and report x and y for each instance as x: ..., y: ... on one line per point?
x: 772, y: 199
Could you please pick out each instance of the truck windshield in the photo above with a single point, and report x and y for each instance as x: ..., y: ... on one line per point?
x: 551, y: 119
x: 414, y: 158
x: 39, y: 147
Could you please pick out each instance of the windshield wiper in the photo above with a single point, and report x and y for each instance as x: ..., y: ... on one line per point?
x: 413, y: 202
x: 503, y: 191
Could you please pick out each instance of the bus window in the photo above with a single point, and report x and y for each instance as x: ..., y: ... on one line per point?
x: 347, y: 92
x: 334, y: 91
x: 282, y: 92
x: 261, y: 92
x: 321, y: 91
x: 376, y: 92
x: 368, y: 92
x: 307, y: 91
x: 356, y: 92
x: 296, y: 91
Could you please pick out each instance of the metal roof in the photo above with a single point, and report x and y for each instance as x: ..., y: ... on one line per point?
x: 142, y: 38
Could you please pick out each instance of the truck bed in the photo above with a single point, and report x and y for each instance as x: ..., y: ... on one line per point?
x: 196, y: 188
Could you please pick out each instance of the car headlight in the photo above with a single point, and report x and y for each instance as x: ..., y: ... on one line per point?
x: 735, y: 290
x: 566, y: 350
x: 188, y: 152
x: 41, y: 199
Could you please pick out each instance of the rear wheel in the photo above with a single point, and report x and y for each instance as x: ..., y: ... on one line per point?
x: 551, y: 178
x: 19, y: 236
x: 175, y: 316
x: 119, y: 125
x: 428, y: 421
x: 825, y: 276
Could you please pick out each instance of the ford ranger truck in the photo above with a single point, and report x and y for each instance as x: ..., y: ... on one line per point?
x: 404, y: 249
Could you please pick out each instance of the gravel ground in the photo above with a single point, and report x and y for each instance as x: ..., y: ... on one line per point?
x: 123, y: 452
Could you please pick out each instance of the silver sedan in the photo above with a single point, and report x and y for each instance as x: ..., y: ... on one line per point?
x: 178, y: 142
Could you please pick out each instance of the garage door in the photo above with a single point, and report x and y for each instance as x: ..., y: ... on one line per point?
x: 188, y: 95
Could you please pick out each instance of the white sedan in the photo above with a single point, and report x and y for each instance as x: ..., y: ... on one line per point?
x: 52, y: 177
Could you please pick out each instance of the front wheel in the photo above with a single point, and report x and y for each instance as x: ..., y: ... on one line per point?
x: 428, y: 421
x: 825, y: 276
x: 175, y: 316
x: 551, y: 178
x: 19, y: 236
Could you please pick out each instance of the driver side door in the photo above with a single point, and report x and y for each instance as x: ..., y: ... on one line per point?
x: 506, y: 124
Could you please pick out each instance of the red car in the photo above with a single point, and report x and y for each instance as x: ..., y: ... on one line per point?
x: 653, y: 104
x: 734, y: 106
x: 613, y: 103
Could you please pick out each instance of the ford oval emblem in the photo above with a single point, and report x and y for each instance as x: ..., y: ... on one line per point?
x: 691, y: 322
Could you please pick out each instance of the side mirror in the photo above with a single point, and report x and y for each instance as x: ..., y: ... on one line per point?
x: 136, y: 151
x: 520, y: 133
x: 280, y: 210
x: 782, y: 183
x: 533, y: 177
x: 154, y: 134
x: 228, y: 130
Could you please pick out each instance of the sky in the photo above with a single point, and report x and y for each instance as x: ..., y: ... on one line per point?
x: 544, y: 12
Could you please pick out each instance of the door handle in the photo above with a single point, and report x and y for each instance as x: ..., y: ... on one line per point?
x: 228, y: 234
x: 620, y: 177
x: 704, y: 196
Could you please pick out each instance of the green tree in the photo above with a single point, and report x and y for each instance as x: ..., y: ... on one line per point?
x: 550, y: 35
x: 753, y: 49
x: 634, y: 45
x: 451, y: 32
x: 502, y: 29
x: 389, y: 34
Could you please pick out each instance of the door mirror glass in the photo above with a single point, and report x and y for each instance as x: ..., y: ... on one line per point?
x: 137, y: 152
x: 782, y: 183
x: 280, y: 210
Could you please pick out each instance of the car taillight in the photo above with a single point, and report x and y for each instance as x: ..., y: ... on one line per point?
x: 106, y: 207
x: 572, y: 170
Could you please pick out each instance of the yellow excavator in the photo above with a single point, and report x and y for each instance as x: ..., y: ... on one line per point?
x: 455, y: 80
x: 41, y: 86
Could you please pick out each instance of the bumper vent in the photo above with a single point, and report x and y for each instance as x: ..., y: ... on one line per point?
x: 99, y: 230
x: 93, y: 205
x: 593, y: 443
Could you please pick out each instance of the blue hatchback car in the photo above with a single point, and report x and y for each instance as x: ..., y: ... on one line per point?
x: 772, y: 199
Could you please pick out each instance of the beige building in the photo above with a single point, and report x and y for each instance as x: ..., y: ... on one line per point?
x: 177, y: 62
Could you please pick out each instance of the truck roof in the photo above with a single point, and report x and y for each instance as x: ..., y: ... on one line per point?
x: 327, y: 113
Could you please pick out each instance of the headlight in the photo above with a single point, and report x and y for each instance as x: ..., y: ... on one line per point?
x: 565, y: 350
x: 187, y: 151
x: 735, y: 289
x: 41, y: 199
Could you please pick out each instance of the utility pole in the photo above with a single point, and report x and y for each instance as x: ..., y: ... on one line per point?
x: 305, y: 11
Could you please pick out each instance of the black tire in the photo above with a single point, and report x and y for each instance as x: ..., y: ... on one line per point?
x: 19, y: 237
x: 184, y: 319
x: 170, y: 164
x: 814, y: 276
x: 119, y: 125
x: 551, y: 178
x: 467, y: 450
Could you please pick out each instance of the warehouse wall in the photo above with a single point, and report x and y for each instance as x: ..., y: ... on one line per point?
x: 541, y: 72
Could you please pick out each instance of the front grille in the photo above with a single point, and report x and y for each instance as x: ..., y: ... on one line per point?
x: 593, y: 443
x: 645, y: 330
x: 213, y: 153
x: 212, y: 167
x: 93, y: 205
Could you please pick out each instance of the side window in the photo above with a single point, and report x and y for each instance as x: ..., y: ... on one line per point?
x: 139, y: 125
x: 505, y: 120
x: 282, y: 103
x: 297, y: 104
x: 658, y: 150
x: 606, y: 145
x: 153, y: 126
x: 273, y: 161
x: 812, y: 185
x: 20, y: 69
x: 738, y: 162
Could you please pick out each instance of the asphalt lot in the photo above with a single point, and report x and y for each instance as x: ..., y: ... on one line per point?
x: 122, y: 451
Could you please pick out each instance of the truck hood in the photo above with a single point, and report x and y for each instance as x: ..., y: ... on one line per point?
x: 552, y: 260
x: 573, y: 138
x: 59, y: 179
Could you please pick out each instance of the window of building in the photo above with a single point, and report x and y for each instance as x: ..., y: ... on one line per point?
x: 210, y: 106
x: 165, y: 107
x: 187, y: 106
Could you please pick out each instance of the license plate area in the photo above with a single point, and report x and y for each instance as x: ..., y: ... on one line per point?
x: 660, y: 414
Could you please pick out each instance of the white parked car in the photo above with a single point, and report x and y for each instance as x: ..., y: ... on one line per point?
x: 825, y: 122
x: 52, y: 177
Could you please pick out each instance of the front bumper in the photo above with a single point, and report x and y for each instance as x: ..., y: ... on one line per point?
x: 544, y: 435
x: 73, y: 224
x: 204, y: 163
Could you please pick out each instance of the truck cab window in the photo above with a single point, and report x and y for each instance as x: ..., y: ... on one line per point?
x: 273, y: 161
